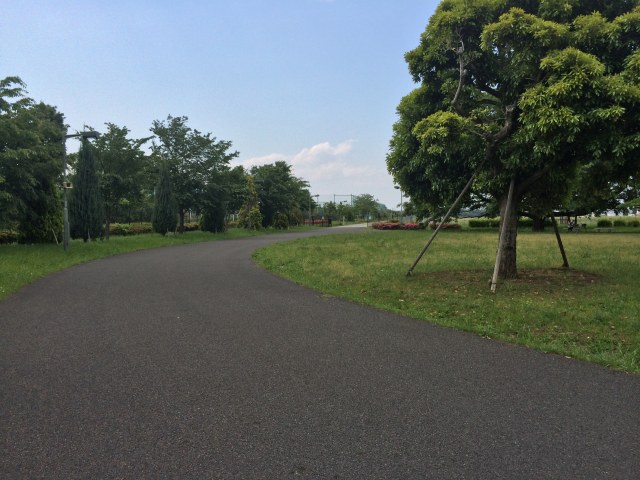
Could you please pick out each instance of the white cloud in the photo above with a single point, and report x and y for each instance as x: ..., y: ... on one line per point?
x: 322, y: 161
x: 332, y: 169
x: 257, y: 161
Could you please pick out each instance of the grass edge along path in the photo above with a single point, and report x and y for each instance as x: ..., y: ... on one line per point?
x: 589, y: 312
x: 23, y: 264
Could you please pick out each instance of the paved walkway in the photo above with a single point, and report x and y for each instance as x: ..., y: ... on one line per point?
x: 191, y: 362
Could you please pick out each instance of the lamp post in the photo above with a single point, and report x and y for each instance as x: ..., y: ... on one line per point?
x: 397, y: 187
x: 67, y: 185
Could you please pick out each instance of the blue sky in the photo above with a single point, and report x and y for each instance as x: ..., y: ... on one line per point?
x: 313, y: 82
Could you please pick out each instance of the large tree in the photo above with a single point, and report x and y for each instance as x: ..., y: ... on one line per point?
x: 366, y: 206
x: 522, y: 92
x: 279, y: 192
x: 30, y: 164
x: 164, y: 205
x: 121, y: 170
x: 86, y: 210
x: 192, y: 158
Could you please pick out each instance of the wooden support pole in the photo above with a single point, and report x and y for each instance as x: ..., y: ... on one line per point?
x: 503, y: 234
x: 444, y: 219
x: 565, y: 263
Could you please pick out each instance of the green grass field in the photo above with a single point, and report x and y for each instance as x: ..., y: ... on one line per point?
x: 590, y: 311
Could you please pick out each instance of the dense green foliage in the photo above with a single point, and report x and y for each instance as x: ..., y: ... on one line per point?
x: 114, y: 180
x: 366, y: 206
x: 86, y: 210
x: 279, y: 192
x: 192, y: 158
x: 30, y: 165
x: 250, y: 217
x: 214, y: 205
x: 164, y: 209
x: 122, y: 170
x: 541, y: 92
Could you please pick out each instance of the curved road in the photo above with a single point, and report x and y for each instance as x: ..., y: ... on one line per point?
x: 191, y: 362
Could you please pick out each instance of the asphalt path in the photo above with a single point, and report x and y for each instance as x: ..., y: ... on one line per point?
x: 192, y: 362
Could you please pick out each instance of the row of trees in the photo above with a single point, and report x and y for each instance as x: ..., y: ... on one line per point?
x: 114, y: 179
x: 536, y: 101
x: 363, y: 207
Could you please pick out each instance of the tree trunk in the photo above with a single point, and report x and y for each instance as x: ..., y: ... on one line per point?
x: 508, y: 267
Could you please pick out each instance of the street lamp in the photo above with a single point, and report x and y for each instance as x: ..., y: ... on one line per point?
x: 67, y: 185
x: 397, y: 187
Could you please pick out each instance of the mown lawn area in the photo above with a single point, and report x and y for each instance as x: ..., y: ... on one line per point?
x: 590, y: 311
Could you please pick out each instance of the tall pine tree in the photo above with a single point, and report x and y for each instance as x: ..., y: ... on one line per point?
x: 86, y: 211
x: 164, y: 208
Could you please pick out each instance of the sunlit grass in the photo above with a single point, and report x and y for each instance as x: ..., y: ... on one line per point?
x: 591, y: 311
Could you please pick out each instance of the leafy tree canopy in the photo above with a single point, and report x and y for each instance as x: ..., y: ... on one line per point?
x: 192, y: 158
x: 279, y: 192
x: 532, y: 91
x: 31, y: 151
x: 121, y: 169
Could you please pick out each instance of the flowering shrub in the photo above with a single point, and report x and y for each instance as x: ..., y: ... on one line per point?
x: 396, y: 226
x: 319, y: 221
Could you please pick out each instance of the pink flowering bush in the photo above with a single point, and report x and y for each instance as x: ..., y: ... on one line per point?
x: 396, y: 226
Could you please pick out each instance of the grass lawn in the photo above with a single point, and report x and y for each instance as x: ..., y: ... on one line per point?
x: 590, y: 311
x: 22, y: 264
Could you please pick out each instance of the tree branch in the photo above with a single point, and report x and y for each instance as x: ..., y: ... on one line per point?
x: 455, y: 103
x: 507, y: 128
x: 526, y: 184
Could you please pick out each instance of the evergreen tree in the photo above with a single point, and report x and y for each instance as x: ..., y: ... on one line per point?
x: 164, y: 208
x: 214, y: 206
x: 86, y: 210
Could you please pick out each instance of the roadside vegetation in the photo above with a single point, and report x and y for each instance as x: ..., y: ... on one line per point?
x: 590, y: 311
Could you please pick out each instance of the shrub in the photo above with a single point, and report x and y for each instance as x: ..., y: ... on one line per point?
x: 315, y: 221
x: 414, y: 226
x: 8, y: 236
x: 605, y: 223
x: 281, y: 221
x: 396, y: 226
x: 525, y: 222
x: 250, y: 218
x: 484, y: 223
x: 140, y: 228
x: 124, y: 229
x: 619, y: 223
x: 119, y: 229
x: 444, y: 226
x: 191, y: 226
x: 634, y: 223
x: 296, y: 217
